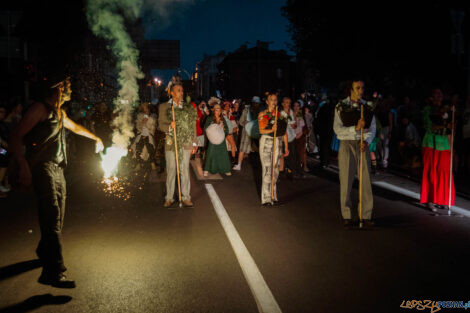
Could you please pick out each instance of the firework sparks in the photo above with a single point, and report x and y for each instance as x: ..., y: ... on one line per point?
x: 116, y: 187
x: 110, y: 160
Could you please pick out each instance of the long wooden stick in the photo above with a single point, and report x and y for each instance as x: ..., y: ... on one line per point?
x: 451, y: 159
x: 274, y: 154
x: 360, y: 169
x: 176, y: 154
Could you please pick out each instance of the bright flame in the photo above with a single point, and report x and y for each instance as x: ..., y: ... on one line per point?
x: 110, y: 160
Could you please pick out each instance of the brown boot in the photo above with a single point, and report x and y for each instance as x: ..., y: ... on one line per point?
x: 188, y: 204
x: 168, y: 203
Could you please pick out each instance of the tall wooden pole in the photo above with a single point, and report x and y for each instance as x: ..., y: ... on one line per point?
x: 177, y: 160
x: 274, y: 156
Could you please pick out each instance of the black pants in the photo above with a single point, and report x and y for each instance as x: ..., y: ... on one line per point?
x: 144, y: 141
x: 49, y: 184
x: 292, y: 160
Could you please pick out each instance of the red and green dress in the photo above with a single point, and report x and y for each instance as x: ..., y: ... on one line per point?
x: 436, y: 158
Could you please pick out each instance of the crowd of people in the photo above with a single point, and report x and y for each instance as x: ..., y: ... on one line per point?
x: 368, y: 132
x: 397, y: 141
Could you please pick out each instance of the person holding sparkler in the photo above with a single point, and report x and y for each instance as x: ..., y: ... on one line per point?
x: 178, y: 120
x: 42, y: 131
x: 354, y: 124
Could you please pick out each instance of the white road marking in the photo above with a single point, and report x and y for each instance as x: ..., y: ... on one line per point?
x: 260, y: 290
x: 416, y: 195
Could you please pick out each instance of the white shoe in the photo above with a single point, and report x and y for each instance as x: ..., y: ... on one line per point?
x: 4, y: 189
x: 228, y: 174
x: 237, y: 167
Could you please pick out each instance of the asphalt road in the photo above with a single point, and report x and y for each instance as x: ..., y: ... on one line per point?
x: 136, y: 256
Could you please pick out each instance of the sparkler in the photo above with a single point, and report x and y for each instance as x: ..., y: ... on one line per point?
x: 110, y: 160
x: 112, y: 184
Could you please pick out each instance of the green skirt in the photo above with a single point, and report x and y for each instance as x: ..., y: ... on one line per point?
x: 217, y: 160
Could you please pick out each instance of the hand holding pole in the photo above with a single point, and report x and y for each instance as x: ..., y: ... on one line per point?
x: 451, y: 159
x: 274, y: 155
x: 361, y: 151
x: 176, y: 155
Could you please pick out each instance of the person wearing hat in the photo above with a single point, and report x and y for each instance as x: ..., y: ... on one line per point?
x: 217, y: 160
x: 42, y: 131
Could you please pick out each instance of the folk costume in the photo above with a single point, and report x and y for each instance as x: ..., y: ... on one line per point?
x: 347, y: 115
x: 266, y: 144
x: 185, y: 116
x: 217, y: 160
x: 436, y: 157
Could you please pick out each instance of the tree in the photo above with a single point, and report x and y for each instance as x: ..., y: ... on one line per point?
x: 377, y: 40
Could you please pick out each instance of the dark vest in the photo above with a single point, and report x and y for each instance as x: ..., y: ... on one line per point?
x: 46, y: 141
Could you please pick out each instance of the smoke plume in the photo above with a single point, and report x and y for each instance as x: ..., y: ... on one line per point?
x: 106, y: 19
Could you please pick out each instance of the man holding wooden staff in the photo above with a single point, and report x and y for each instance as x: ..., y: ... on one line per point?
x: 178, y: 121
x: 348, y: 126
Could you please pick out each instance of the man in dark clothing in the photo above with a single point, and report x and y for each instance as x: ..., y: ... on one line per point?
x: 42, y: 131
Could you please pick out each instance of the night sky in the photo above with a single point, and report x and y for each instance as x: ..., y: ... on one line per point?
x: 214, y: 25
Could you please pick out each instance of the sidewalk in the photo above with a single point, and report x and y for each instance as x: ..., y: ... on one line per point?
x: 403, y: 186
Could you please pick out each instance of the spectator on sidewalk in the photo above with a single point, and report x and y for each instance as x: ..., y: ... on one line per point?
x: 408, y: 144
x: 385, y: 117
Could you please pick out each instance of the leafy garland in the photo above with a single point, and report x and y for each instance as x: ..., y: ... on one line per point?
x: 185, y: 124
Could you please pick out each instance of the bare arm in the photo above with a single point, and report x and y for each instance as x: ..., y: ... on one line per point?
x: 286, y: 145
x: 82, y: 131
x: 33, y: 116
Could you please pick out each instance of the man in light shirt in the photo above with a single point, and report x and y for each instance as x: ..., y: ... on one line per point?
x: 350, y: 153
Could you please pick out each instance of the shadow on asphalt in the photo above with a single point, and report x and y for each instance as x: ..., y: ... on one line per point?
x: 377, y: 191
x: 18, y: 268
x: 36, y: 302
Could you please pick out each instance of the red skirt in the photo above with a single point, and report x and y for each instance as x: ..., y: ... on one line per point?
x: 436, y: 175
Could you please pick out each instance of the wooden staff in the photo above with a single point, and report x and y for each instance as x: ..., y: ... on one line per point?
x: 360, y: 169
x: 274, y: 154
x: 176, y: 154
x: 451, y: 159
